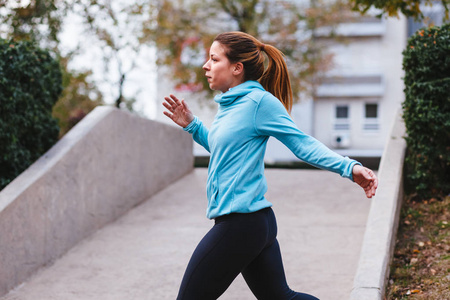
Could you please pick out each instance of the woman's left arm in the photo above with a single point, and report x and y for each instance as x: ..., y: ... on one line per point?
x: 271, y: 119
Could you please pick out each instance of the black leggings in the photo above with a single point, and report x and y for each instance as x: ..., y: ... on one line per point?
x: 239, y: 243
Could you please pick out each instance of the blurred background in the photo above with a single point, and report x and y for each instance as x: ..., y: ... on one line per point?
x: 346, y: 66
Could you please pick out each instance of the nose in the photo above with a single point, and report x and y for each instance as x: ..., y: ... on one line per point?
x: 206, y: 66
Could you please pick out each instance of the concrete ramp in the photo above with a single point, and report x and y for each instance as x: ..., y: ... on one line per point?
x: 108, y: 163
x: 143, y: 255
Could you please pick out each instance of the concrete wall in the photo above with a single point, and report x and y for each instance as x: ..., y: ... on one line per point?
x: 110, y: 162
x: 382, y: 223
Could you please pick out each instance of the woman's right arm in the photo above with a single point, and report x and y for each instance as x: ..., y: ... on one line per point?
x: 180, y: 114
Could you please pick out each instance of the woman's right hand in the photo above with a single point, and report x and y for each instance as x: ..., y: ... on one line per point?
x: 366, y: 179
x: 178, y: 111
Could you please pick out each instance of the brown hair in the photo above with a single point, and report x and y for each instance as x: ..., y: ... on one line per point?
x: 244, y: 48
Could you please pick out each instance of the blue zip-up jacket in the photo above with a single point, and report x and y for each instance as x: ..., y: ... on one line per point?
x: 246, y: 118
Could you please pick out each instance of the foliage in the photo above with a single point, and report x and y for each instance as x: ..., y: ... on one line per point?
x: 421, y: 260
x: 118, y: 28
x: 78, y: 98
x: 185, y: 29
x: 40, y: 20
x: 426, y: 111
x: 30, y: 84
x: 410, y: 8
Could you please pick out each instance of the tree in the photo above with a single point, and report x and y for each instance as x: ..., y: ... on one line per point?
x: 392, y: 8
x: 30, y: 84
x: 39, y: 20
x: 184, y: 30
x: 114, y: 26
x: 117, y: 26
x: 78, y: 98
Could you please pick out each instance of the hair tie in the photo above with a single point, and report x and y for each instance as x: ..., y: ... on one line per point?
x: 262, y: 46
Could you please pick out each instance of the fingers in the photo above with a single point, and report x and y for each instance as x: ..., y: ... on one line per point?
x: 367, y: 179
x: 373, y: 184
x: 367, y: 173
x: 168, y: 114
x: 170, y: 105
x: 173, y: 105
x: 370, y: 175
x: 167, y: 106
x: 185, y: 105
x: 172, y: 102
x: 370, y: 192
x: 177, y: 110
x: 174, y: 98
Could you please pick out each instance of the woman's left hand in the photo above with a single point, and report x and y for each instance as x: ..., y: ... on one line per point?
x: 365, y: 178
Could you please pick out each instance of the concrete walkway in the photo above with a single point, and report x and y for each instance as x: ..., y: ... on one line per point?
x: 321, y: 221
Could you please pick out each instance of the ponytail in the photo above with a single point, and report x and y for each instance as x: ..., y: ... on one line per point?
x: 275, y: 78
x: 244, y: 48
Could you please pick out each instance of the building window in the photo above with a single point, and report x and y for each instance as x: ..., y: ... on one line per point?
x: 371, y: 117
x: 342, y: 118
x: 371, y: 111
x: 342, y: 112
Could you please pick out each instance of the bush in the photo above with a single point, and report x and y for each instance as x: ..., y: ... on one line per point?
x: 30, y: 84
x: 426, y: 111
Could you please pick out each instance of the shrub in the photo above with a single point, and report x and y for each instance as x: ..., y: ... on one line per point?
x: 426, y: 111
x: 30, y: 84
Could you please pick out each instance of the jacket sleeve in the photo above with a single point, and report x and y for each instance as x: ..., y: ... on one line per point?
x: 272, y: 119
x: 199, y: 132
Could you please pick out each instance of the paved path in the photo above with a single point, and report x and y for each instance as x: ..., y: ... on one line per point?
x: 321, y: 219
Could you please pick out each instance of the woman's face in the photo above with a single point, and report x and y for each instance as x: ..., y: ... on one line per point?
x: 221, y: 74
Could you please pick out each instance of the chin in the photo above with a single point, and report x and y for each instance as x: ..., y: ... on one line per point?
x: 212, y: 87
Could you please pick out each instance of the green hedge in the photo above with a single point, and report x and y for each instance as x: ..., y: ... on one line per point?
x: 30, y: 84
x: 426, y: 111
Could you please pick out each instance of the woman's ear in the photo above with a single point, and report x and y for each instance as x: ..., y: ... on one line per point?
x: 238, y: 69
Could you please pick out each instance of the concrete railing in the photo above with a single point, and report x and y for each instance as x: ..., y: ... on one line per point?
x: 379, y: 239
x: 110, y: 162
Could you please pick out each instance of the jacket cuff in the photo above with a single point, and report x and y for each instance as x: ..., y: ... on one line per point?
x: 349, y: 172
x: 193, y: 125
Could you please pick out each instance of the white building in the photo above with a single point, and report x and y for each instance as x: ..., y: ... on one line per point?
x: 354, y: 107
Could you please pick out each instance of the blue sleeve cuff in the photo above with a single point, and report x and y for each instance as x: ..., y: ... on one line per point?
x: 193, y: 125
x: 349, y: 173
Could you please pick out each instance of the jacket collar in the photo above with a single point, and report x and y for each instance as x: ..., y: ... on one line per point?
x: 236, y: 92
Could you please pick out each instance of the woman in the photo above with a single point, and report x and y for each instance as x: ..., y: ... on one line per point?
x: 254, y: 104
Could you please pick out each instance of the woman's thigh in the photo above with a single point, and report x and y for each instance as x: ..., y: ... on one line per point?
x: 222, y: 254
